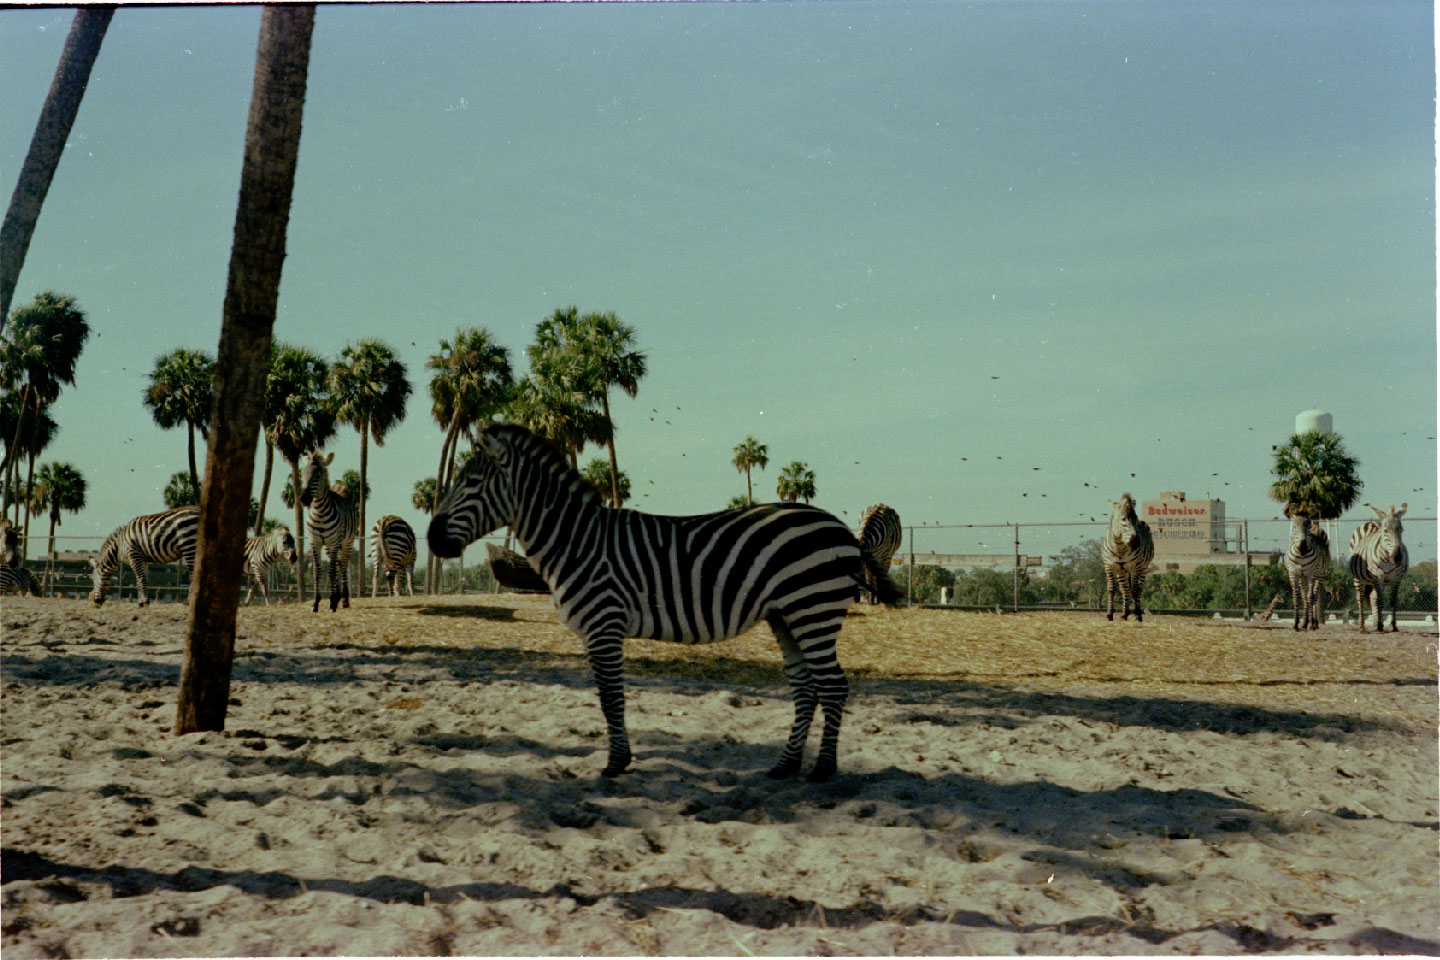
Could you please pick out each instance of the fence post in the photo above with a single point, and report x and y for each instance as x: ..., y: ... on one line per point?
x: 1246, y: 535
x: 1015, y: 600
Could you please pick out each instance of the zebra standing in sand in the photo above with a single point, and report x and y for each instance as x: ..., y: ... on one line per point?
x: 1307, y: 557
x: 392, y: 547
x: 1379, y: 559
x: 621, y: 573
x: 167, y: 537
x: 1126, y: 553
x: 262, y: 552
x: 879, y: 537
x: 18, y: 580
x: 333, y: 522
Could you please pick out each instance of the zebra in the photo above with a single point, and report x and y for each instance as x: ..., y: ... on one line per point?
x: 18, y: 580
x: 1126, y: 553
x: 617, y: 573
x: 165, y: 537
x: 392, y: 546
x: 1378, y: 559
x: 1307, y: 557
x: 879, y: 537
x: 333, y: 523
x: 262, y: 552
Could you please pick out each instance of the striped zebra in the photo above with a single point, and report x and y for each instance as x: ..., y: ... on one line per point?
x: 1379, y: 559
x: 262, y: 552
x: 879, y: 537
x: 333, y: 523
x: 392, y: 546
x: 1126, y: 553
x: 167, y: 537
x: 695, y: 579
x: 1307, y: 557
x: 18, y: 580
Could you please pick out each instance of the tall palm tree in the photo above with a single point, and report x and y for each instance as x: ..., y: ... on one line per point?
x: 1314, y: 474
x: 181, y: 491
x: 423, y: 496
x: 36, y: 429
x: 559, y: 415
x: 38, y: 356
x: 57, y: 116
x: 64, y: 488
x: 180, y: 391
x: 797, y: 482
x: 368, y: 391
x: 750, y: 454
x: 257, y: 256
x: 300, y: 420
x: 355, y: 485
x: 607, y: 356
x: 597, y: 474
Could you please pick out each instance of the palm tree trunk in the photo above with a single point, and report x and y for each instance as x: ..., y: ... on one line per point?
x: 614, y: 468
x: 267, y: 180
x: 50, y: 553
x: 265, y: 485
x: 364, y: 459
x: 749, y: 491
x: 29, y: 485
x: 13, y: 450
x: 57, y: 116
x: 194, y: 476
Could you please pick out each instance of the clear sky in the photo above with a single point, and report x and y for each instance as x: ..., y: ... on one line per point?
x: 924, y: 247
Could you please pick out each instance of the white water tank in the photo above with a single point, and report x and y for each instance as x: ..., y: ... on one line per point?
x: 1314, y: 421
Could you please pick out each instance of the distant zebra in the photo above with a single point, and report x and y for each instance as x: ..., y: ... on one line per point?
x: 333, y: 522
x: 1379, y: 559
x: 262, y: 552
x: 1126, y: 553
x: 695, y: 579
x: 1307, y: 558
x: 18, y: 580
x: 167, y: 537
x: 392, y: 546
x: 879, y: 537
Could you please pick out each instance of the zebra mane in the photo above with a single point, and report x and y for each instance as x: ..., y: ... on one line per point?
x: 535, y: 448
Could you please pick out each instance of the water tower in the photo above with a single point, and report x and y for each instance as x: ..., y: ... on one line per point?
x: 1314, y: 421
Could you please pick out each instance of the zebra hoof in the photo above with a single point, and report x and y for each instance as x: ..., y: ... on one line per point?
x: 821, y: 773
x: 784, y: 770
x: 613, y: 770
x: 1110, y: 616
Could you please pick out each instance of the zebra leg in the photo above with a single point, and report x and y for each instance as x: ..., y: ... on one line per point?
x: 1317, y: 604
x: 607, y: 662
x: 140, y: 567
x: 1362, y: 592
x: 337, y: 574
x: 1137, y: 589
x: 1109, y: 595
x: 374, y: 580
x: 803, y: 692
x: 1394, y: 598
x: 345, y: 557
x: 315, y: 581
x: 1124, y: 579
x: 1301, y: 600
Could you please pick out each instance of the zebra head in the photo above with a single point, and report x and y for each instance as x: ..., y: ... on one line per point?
x: 314, y: 477
x: 1388, y: 538
x: 479, y: 500
x: 1123, y: 520
x: 1301, y: 525
x: 284, y: 542
x: 101, y: 565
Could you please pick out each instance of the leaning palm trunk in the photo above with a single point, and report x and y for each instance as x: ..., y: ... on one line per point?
x: 265, y: 486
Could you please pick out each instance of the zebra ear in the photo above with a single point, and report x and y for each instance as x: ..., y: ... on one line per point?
x: 490, y: 445
x: 328, y: 457
x: 1401, y: 512
x: 1378, y: 512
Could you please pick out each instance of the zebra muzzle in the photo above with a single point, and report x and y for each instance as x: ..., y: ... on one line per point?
x: 442, y: 544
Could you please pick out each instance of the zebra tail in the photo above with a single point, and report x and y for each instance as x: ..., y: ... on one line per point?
x: 885, y: 588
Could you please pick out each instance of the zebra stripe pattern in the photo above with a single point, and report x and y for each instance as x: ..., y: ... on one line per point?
x: 392, y: 548
x: 18, y: 580
x: 167, y: 537
x: 1307, y: 557
x: 334, y: 522
x: 880, y: 538
x: 1126, y: 553
x: 1378, y: 559
x: 694, y: 579
x: 261, y: 553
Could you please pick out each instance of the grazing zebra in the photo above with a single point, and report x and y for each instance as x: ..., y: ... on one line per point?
x: 167, y: 537
x: 879, y: 537
x: 392, y: 546
x: 1126, y: 553
x: 18, y: 580
x: 1379, y: 559
x: 333, y: 523
x: 620, y: 573
x: 262, y: 552
x: 1307, y: 557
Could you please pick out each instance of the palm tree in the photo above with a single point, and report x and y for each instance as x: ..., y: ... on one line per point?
x: 57, y: 116
x: 597, y: 474
x: 368, y: 391
x: 355, y: 484
x: 750, y: 454
x: 1314, y: 474
x: 797, y: 482
x: 257, y: 256
x: 299, y: 420
x: 180, y: 392
x: 38, y: 356
x: 557, y: 414
x: 36, y: 429
x: 64, y: 490
x: 608, y: 358
x: 472, y: 381
x: 181, y: 491
x: 423, y: 497
x: 739, y: 501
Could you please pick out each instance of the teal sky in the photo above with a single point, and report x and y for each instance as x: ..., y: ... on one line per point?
x: 925, y: 247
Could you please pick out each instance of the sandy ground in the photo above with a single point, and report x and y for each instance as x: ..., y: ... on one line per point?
x: 419, y: 777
